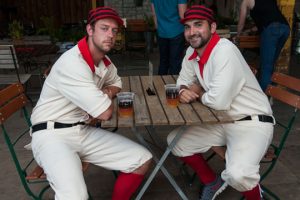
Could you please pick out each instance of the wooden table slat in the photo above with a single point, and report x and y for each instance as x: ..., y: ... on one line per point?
x: 169, y: 80
x: 114, y: 119
x: 189, y: 114
x: 142, y: 117
x: 125, y: 121
x: 125, y: 84
x: 153, y: 109
x: 156, y: 111
x: 173, y: 114
x: 222, y: 116
x: 204, y: 113
x: 187, y: 111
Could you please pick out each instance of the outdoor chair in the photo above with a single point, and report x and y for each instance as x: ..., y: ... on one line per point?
x: 12, y: 100
x: 36, y: 57
x: 9, y: 67
x: 248, y: 41
x: 286, y: 90
x: 135, y: 36
x: 248, y: 44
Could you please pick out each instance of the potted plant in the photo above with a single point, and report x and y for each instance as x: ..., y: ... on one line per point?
x: 15, y: 30
x: 49, y: 28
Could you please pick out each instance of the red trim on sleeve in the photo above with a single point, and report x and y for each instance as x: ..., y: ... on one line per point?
x: 86, y: 54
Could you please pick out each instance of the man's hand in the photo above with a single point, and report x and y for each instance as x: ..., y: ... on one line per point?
x: 187, y: 96
x: 190, y: 94
x: 108, y: 92
x: 106, y: 115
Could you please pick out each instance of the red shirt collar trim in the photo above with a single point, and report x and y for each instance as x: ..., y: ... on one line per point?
x: 86, y: 54
x: 194, y: 55
x: 207, y: 51
x: 106, y: 61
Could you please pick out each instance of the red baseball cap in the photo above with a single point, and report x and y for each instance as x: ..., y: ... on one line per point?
x: 103, y: 12
x: 198, y: 12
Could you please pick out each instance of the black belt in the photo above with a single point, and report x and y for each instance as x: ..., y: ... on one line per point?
x: 43, y: 126
x: 261, y: 118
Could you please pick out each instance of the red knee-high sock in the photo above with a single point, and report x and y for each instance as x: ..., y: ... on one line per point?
x: 126, y: 184
x: 199, y: 165
x: 253, y: 194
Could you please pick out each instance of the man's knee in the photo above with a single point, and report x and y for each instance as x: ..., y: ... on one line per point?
x: 171, y: 137
x: 73, y: 190
x: 242, y: 177
x: 143, y: 168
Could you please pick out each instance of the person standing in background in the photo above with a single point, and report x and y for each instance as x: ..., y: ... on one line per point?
x: 274, y: 32
x: 167, y: 15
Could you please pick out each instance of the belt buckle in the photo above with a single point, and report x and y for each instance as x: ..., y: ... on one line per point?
x: 30, y: 131
x: 50, y: 125
x: 255, y: 117
x: 274, y: 120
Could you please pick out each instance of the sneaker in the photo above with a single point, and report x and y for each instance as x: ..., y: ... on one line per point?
x: 212, y: 190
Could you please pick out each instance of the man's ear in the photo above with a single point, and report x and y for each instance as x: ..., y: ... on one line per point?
x: 89, y: 29
x: 213, y: 27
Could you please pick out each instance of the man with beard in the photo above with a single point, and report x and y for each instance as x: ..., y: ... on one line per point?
x: 81, y: 86
x: 215, y: 73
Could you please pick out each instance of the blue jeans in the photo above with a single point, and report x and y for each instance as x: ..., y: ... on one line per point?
x: 272, y: 40
x: 171, y: 54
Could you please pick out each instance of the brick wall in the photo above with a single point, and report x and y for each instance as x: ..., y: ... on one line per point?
x: 128, y: 9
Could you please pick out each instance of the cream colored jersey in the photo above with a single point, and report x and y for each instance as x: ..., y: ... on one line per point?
x: 228, y: 81
x: 72, y: 91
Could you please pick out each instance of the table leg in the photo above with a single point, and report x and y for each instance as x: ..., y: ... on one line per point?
x: 159, y: 165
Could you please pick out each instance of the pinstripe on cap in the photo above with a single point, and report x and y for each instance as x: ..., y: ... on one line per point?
x: 103, y: 12
x: 198, y: 12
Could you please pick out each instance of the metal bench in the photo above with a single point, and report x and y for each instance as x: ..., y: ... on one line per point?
x: 13, y: 100
x: 9, y: 66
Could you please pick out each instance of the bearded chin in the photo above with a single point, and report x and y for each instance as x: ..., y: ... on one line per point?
x: 199, y: 45
x: 101, y: 48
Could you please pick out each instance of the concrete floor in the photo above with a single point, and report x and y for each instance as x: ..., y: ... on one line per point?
x: 284, y: 180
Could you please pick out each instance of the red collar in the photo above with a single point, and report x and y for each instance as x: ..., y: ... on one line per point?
x: 86, y: 54
x: 194, y: 55
x: 206, y: 53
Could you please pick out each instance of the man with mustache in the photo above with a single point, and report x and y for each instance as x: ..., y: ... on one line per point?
x: 215, y: 73
x: 81, y: 86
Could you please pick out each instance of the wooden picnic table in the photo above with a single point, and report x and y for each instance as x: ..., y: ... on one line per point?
x: 153, y: 110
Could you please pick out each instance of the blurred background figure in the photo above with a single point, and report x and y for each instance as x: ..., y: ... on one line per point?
x: 273, y: 29
x: 170, y: 38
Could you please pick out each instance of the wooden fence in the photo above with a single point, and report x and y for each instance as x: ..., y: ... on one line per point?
x: 31, y: 11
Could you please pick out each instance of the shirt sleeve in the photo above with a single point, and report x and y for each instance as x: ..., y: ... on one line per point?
x: 226, y: 79
x: 112, y: 77
x: 77, y: 85
x: 187, y: 74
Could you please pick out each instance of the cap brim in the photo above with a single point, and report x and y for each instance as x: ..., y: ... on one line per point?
x: 193, y: 17
x: 118, y: 19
